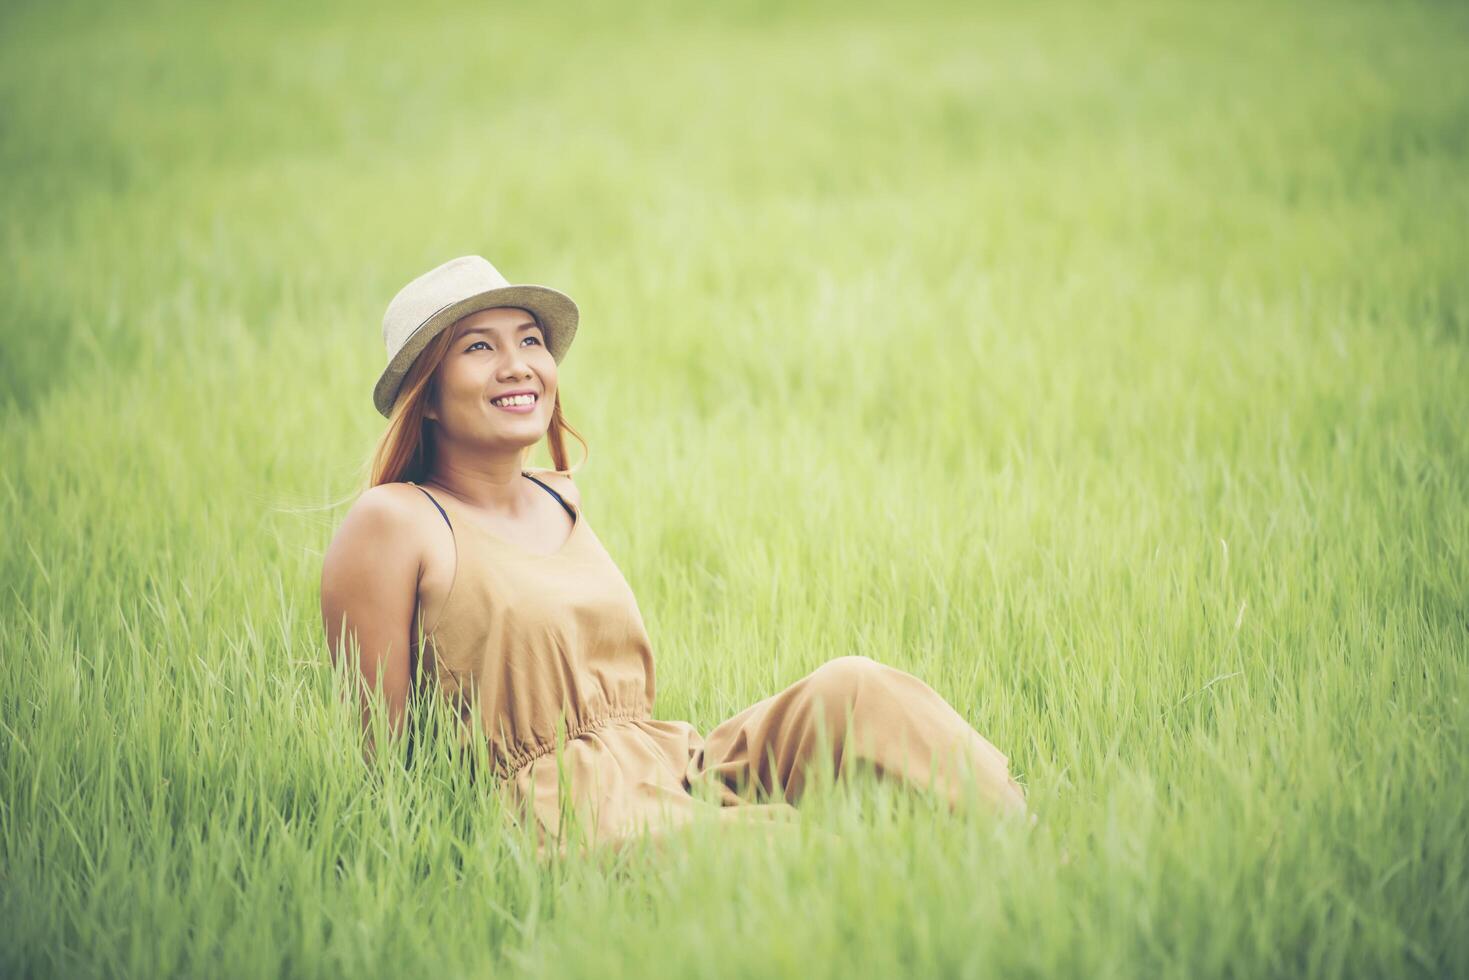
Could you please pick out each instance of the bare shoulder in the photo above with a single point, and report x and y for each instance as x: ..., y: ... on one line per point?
x: 371, y: 571
x: 387, y: 517
x: 387, y: 507
x: 560, y: 482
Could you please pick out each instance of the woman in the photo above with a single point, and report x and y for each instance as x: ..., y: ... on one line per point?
x: 533, y: 634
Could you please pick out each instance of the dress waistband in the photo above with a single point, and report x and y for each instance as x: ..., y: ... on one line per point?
x: 512, y: 762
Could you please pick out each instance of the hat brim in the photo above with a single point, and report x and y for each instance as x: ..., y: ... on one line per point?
x: 554, y: 311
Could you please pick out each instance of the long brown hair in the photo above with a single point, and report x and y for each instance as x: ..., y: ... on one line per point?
x: 406, y: 449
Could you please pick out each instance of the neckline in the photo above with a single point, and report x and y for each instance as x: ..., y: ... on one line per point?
x: 576, y: 522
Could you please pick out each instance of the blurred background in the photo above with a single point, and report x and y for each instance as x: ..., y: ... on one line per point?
x: 1101, y: 363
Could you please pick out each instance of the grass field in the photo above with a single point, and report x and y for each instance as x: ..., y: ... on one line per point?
x: 1104, y: 365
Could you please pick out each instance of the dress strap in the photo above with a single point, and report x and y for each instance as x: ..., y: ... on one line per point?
x: 436, y: 504
x: 553, y: 493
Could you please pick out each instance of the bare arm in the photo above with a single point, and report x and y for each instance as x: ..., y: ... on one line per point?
x: 369, y: 591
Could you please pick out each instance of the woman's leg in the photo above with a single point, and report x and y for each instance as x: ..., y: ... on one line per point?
x: 858, y: 711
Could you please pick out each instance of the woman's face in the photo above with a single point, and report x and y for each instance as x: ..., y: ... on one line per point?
x: 495, y: 353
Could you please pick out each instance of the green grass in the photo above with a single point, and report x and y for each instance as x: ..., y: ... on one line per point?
x: 1103, y: 365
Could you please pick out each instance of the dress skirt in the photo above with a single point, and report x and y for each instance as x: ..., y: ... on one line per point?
x: 634, y: 776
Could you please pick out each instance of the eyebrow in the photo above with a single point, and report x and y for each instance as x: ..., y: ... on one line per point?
x: 485, y: 330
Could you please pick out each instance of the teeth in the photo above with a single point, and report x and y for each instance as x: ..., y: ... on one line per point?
x: 515, y: 400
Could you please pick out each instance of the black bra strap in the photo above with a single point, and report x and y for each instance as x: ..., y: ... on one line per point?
x: 436, y: 504
x: 553, y: 493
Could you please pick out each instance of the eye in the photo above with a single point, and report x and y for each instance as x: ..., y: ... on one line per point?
x: 532, y: 337
x: 477, y: 343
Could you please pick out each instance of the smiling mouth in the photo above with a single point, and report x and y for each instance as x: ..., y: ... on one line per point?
x: 515, y: 403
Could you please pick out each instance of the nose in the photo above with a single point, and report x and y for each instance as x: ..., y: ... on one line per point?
x: 514, y: 366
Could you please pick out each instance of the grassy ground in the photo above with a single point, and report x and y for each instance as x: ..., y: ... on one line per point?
x: 1103, y: 365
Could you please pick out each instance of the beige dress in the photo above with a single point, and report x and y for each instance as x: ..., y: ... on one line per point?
x: 535, y: 649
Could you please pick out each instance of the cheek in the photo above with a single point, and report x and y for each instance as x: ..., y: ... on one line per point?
x: 547, y: 370
x: 457, y: 388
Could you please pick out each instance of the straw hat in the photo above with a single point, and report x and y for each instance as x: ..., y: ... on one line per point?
x: 443, y: 295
